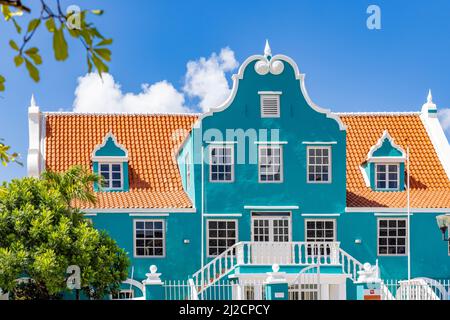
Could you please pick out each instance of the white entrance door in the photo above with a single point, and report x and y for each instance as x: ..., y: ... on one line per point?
x: 271, y: 234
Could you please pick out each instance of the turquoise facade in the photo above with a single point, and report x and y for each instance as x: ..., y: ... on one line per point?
x: 300, y: 125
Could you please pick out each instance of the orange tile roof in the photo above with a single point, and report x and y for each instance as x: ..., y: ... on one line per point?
x: 430, y: 186
x: 154, y: 178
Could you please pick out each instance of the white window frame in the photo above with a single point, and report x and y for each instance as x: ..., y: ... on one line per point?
x: 288, y: 216
x: 224, y: 146
x: 387, y: 176
x: 271, y: 146
x: 387, y: 237
x: 135, y: 221
x: 236, y: 223
x: 187, y: 164
x: 262, y: 96
x: 321, y: 220
x: 110, y: 164
x: 330, y: 164
x: 129, y: 291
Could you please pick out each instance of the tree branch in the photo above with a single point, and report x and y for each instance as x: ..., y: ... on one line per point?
x: 16, y: 4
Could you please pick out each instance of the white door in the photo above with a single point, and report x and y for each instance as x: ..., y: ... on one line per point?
x: 271, y: 235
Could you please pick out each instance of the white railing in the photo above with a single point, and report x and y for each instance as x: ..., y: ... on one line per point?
x: 415, y: 289
x: 269, y: 253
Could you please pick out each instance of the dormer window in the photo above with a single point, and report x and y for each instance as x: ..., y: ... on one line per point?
x: 385, y: 165
x: 270, y: 104
x: 110, y: 160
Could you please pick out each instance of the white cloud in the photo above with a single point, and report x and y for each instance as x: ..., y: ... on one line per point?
x: 444, y: 118
x: 205, y: 80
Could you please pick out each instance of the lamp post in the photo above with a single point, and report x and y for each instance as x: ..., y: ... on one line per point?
x: 443, y: 222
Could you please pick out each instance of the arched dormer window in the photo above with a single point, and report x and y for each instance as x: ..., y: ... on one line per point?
x: 110, y: 160
x: 384, y: 168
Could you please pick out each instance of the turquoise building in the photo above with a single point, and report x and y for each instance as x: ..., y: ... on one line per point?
x: 268, y: 181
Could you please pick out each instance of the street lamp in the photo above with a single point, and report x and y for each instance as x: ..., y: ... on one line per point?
x: 443, y: 222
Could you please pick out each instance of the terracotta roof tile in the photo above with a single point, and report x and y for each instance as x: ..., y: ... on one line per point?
x: 430, y: 186
x: 150, y: 139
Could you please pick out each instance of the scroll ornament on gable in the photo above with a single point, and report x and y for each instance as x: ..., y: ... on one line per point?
x: 266, y: 64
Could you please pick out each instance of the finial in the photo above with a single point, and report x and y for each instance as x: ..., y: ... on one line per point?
x: 267, y: 50
x: 33, y: 101
x: 430, y: 97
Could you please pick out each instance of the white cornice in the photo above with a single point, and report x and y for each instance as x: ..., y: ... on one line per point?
x: 378, y: 145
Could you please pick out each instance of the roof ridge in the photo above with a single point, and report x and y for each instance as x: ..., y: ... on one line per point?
x: 70, y: 113
x: 381, y: 113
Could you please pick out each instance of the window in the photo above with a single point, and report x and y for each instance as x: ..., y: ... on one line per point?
x: 123, y: 294
x: 188, y: 170
x: 320, y: 230
x: 112, y: 175
x: 222, y: 234
x: 221, y: 164
x: 149, y: 238
x: 270, y: 164
x: 319, y: 164
x: 309, y: 291
x: 270, y: 105
x: 387, y: 176
x: 392, y: 237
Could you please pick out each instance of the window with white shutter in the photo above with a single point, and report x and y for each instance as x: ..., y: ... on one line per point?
x: 270, y: 105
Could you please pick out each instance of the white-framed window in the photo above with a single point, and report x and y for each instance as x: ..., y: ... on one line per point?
x: 392, y: 235
x: 318, y: 164
x: 222, y: 234
x: 112, y: 175
x: 221, y: 163
x: 187, y: 164
x: 270, y: 164
x: 149, y: 238
x: 270, y: 105
x: 320, y: 230
x: 123, y: 295
x: 387, y: 176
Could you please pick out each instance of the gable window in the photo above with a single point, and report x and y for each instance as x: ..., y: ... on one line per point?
x: 270, y: 164
x: 149, y: 238
x: 112, y: 175
x: 270, y: 104
x: 221, y: 165
x: 319, y: 164
x: 222, y: 234
x: 387, y: 176
x: 392, y: 237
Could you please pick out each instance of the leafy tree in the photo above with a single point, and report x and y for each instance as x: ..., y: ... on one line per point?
x: 41, y: 235
x: 6, y: 156
x: 60, y: 25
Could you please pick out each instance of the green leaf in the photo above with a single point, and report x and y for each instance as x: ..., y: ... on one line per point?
x: 97, y: 12
x: 18, y: 27
x: 2, y: 83
x: 50, y: 24
x: 60, y: 45
x: 18, y: 60
x: 33, y: 53
x: 89, y: 64
x: 33, y: 24
x: 99, y: 64
x: 32, y: 70
x: 105, y: 42
x: 104, y: 53
x: 6, y: 12
x: 13, y: 45
x: 32, y: 50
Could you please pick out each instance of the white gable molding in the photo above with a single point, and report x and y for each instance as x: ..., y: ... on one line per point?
x: 378, y: 145
x: 436, y: 135
x: 109, y: 158
x: 299, y: 76
x: 365, y: 177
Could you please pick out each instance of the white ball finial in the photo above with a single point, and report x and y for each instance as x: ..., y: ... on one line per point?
x: 267, y: 50
x: 275, y: 267
x: 153, y: 269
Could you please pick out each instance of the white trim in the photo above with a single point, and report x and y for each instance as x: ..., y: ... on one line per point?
x: 298, y: 76
x: 379, y: 143
x: 163, y: 239
x: 386, y: 160
x: 148, y: 214
x: 323, y: 220
x: 270, y: 96
x: 208, y: 215
x: 221, y: 142
x: 110, y: 180
x: 365, y: 177
x: 101, y: 145
x: 387, y: 177
x: 260, y: 147
x: 319, y: 142
x: 320, y: 214
x: 90, y: 214
x: 109, y: 159
x: 395, y: 210
x: 330, y: 165
x: 387, y: 245
x: 392, y: 214
x: 140, y: 210
x: 271, y: 207
x: 210, y: 149
x: 270, y: 142
x: 270, y: 92
x: 271, y: 227
x: 236, y: 236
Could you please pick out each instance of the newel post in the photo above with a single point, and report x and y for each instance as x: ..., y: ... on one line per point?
x: 154, y: 289
x: 369, y: 283
x: 276, y: 285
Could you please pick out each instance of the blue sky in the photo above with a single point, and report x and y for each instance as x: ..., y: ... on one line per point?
x: 348, y: 67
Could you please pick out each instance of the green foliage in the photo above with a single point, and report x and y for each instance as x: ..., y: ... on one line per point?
x: 59, y: 26
x: 41, y: 235
x: 5, y: 156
